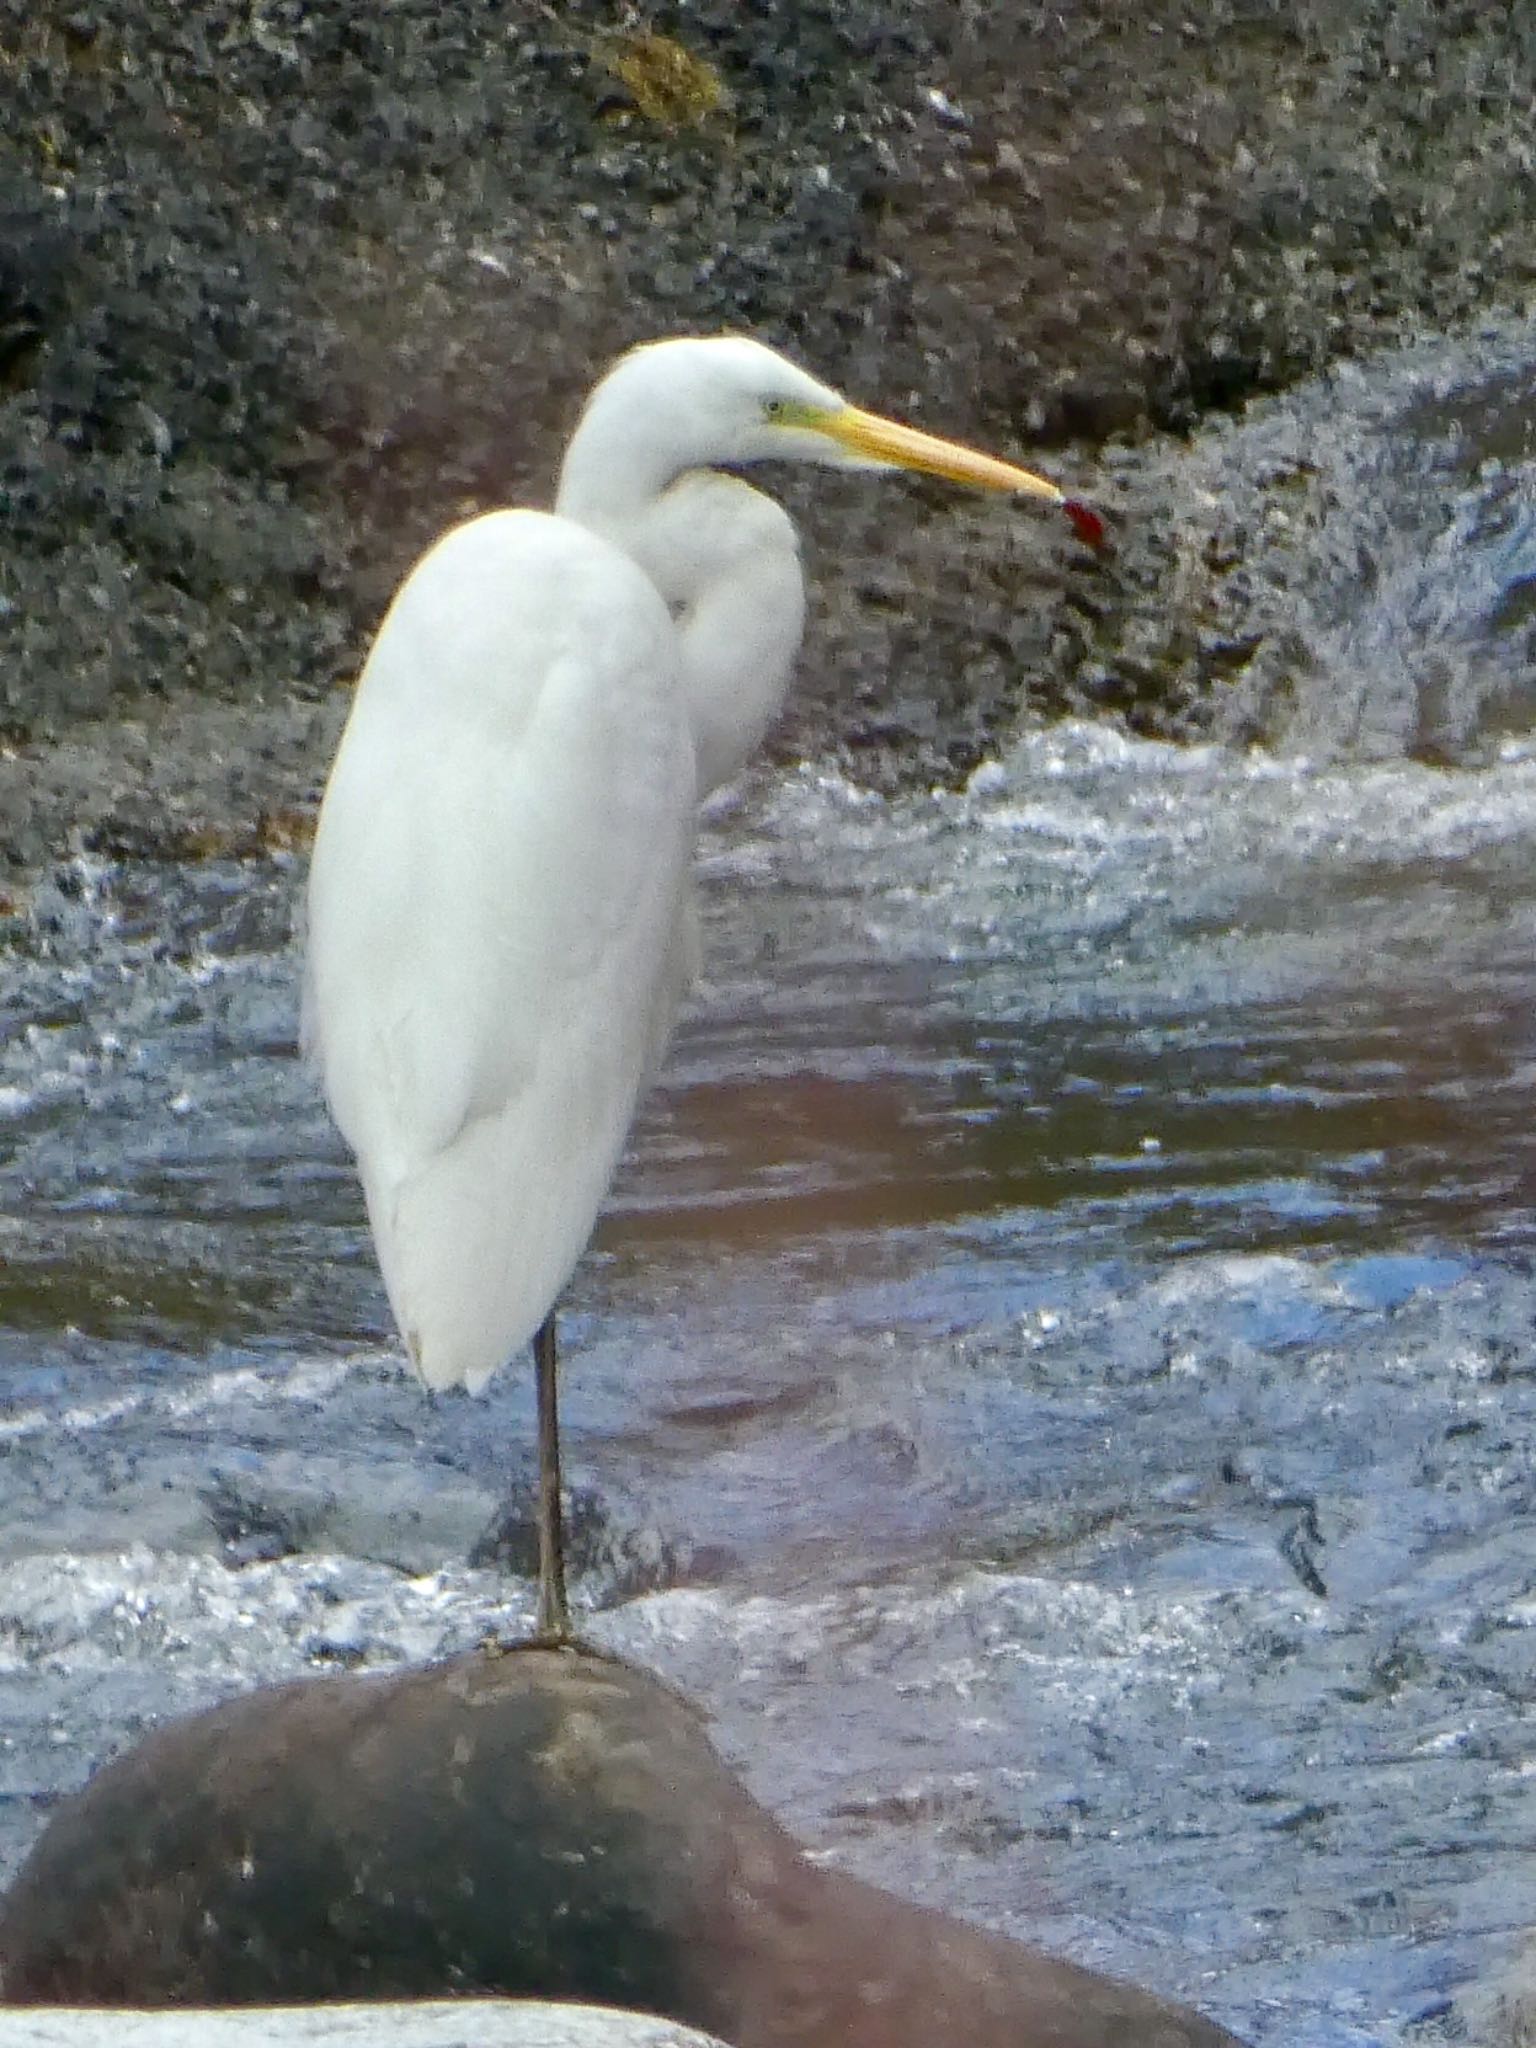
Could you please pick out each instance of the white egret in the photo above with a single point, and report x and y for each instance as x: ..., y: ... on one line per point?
x: 500, y: 917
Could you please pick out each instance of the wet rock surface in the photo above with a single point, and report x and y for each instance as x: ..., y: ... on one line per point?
x: 536, y: 1823
x: 284, y: 293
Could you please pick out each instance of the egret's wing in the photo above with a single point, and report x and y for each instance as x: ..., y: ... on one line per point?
x: 497, y: 901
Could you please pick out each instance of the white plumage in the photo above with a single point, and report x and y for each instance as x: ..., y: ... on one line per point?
x: 500, y: 921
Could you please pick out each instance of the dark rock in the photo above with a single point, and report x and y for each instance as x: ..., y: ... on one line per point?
x: 282, y: 295
x: 614, y: 1557
x: 523, y: 1822
x: 254, y: 1524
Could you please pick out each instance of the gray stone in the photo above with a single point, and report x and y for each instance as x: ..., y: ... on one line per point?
x: 440, y: 2023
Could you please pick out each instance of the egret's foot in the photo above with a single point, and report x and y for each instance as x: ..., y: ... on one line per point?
x: 553, y: 1631
x: 504, y: 1643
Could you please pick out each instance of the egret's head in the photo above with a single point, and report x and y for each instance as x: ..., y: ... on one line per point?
x: 717, y: 402
x: 728, y: 400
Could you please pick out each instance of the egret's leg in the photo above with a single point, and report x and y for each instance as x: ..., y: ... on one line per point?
x: 554, y: 1619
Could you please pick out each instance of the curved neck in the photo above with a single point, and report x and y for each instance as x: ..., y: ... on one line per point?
x: 613, y: 468
x: 727, y: 561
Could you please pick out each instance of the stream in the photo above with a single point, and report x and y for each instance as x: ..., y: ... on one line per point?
x: 1056, y: 1375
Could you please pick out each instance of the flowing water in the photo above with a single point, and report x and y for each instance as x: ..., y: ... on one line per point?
x: 1056, y: 1375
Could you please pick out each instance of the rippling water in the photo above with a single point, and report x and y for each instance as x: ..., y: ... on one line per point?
x: 1057, y: 1365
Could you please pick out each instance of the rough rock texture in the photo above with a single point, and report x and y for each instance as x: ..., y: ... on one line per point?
x: 286, y: 288
x: 534, y: 1823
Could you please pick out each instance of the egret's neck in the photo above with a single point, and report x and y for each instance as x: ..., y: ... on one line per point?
x: 727, y: 561
x: 614, y: 467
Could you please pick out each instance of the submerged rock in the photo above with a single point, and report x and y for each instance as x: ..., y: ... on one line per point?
x: 530, y: 1823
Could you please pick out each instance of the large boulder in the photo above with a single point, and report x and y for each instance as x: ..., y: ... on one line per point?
x: 530, y: 1823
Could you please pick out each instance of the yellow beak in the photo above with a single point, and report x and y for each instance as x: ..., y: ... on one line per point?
x: 875, y: 439
x: 878, y: 440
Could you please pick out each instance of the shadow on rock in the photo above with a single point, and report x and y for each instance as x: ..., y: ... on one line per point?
x: 529, y: 1822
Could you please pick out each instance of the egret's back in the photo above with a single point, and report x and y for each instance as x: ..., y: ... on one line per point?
x: 499, y: 924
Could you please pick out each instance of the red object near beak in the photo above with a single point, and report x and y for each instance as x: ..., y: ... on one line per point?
x: 1086, y: 523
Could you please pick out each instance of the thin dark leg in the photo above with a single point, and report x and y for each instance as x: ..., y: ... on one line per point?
x: 554, y: 1620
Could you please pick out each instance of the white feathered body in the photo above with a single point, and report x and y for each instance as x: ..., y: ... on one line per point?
x: 500, y: 915
x: 500, y: 923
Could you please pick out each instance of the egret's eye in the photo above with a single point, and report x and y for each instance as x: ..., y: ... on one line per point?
x: 775, y: 408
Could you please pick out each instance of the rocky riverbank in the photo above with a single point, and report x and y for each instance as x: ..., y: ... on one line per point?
x: 285, y: 288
